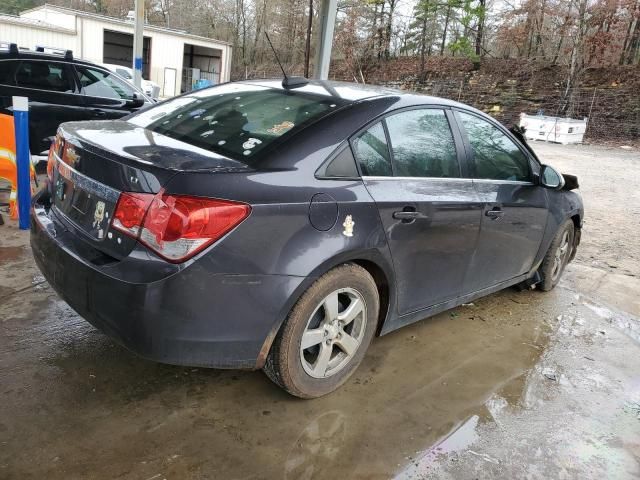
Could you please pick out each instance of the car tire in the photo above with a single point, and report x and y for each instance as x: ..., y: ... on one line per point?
x: 337, y: 318
x: 557, y: 257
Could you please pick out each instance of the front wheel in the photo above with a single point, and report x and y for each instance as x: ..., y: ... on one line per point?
x: 326, y: 335
x: 557, y: 256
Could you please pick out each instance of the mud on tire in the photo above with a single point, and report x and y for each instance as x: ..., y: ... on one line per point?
x: 329, y: 312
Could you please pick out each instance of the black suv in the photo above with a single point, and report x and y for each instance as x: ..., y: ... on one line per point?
x: 61, y: 89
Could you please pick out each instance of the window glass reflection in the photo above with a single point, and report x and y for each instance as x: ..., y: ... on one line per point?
x: 422, y: 144
x: 495, y: 156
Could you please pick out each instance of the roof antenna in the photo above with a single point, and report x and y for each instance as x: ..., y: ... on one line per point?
x: 287, y: 82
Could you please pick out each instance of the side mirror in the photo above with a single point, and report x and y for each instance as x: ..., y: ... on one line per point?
x: 136, y: 101
x: 550, y: 178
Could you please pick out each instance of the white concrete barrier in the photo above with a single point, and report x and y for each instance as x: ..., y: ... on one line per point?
x: 553, y: 129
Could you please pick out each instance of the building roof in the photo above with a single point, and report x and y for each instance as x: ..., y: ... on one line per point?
x: 32, y: 22
x: 120, y: 21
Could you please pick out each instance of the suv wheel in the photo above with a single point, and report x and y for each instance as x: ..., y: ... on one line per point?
x: 327, y: 333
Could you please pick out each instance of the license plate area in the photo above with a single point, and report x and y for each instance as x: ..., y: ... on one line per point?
x: 86, y: 203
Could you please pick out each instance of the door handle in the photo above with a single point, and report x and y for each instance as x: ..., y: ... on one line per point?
x: 406, y: 215
x: 99, y: 113
x: 495, y: 213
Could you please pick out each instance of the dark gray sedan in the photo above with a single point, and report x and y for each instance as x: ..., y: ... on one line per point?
x: 254, y: 225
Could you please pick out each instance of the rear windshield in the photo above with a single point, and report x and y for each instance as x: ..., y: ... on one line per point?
x: 236, y: 120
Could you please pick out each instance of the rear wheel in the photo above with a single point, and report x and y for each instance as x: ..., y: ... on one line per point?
x: 327, y: 333
x: 557, y: 256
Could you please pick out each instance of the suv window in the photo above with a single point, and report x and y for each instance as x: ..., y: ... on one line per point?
x: 7, y: 72
x: 422, y: 144
x: 44, y: 75
x: 371, y: 150
x: 101, y: 83
x: 495, y: 155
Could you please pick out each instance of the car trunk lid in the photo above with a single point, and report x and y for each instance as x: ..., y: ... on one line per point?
x: 93, y: 162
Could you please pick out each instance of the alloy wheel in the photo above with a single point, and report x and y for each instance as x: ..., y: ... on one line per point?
x: 561, y: 254
x: 333, y: 333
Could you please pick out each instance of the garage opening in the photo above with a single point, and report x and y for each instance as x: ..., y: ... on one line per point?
x: 118, y: 50
x: 200, y: 67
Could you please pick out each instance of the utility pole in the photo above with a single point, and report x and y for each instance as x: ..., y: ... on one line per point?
x: 328, y: 12
x: 138, y: 42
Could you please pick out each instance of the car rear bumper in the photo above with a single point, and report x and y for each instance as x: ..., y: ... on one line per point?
x: 188, y: 316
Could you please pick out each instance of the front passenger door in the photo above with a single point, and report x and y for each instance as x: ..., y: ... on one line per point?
x: 106, y: 96
x: 430, y: 212
x: 515, y: 208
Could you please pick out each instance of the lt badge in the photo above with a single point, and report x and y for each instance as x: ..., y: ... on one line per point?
x: 348, y: 226
x: 98, y: 215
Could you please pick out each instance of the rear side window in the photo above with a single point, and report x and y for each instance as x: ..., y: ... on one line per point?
x: 495, y: 155
x: 44, y: 75
x: 236, y: 120
x: 372, y: 152
x: 422, y: 144
x: 342, y: 165
x: 8, y: 72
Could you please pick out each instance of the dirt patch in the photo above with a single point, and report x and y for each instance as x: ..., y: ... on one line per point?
x: 11, y: 253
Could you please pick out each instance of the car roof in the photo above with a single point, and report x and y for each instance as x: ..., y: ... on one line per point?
x: 31, y: 55
x: 354, y: 92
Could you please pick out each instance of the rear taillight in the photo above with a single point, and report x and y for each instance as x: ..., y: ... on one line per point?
x: 130, y: 211
x: 176, y: 227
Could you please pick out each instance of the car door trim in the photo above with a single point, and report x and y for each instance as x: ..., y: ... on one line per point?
x: 503, y: 182
x: 434, y: 179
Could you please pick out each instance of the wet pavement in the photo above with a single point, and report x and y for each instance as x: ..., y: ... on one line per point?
x: 516, y: 385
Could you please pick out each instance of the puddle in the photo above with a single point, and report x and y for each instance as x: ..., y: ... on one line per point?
x: 459, y: 439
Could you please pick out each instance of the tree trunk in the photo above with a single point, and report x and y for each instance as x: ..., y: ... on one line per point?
x: 563, y: 30
x: 539, y: 44
x: 634, y: 42
x: 480, y: 33
x: 444, y: 32
x: 423, y: 45
x: 387, y: 36
x: 628, y: 37
x: 307, y: 47
x: 577, y: 59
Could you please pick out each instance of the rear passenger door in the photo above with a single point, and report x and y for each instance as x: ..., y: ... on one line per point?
x: 514, y: 206
x: 53, y: 98
x: 412, y: 164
